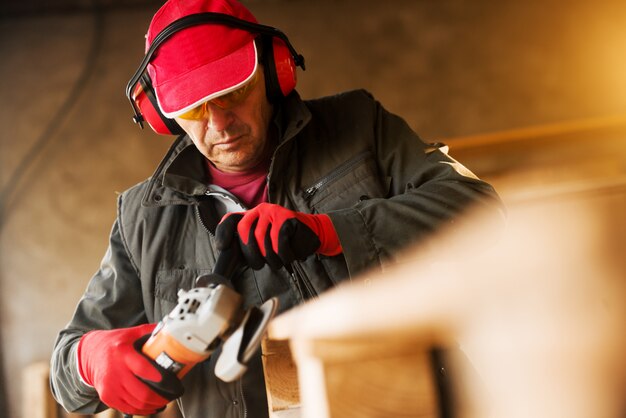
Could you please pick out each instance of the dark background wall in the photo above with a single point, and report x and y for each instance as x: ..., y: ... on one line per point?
x: 450, y: 67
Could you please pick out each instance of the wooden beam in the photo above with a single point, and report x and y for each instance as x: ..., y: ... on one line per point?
x: 525, y: 161
x: 542, y: 133
x: 281, y: 379
x: 37, y: 401
x: 539, y: 313
x: 397, y: 381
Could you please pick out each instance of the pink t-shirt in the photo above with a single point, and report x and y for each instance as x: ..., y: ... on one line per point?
x: 250, y: 187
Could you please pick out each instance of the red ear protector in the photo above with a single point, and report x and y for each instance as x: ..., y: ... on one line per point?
x: 280, y: 60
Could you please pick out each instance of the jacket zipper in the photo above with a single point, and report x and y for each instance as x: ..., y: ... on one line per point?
x: 243, y: 399
x: 243, y: 396
x: 336, y: 173
x: 299, y: 271
x: 295, y: 281
x: 197, y: 208
x: 295, y: 270
x: 208, y: 231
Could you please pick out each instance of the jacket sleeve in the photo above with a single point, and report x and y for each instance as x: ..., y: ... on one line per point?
x: 428, y: 190
x: 112, y: 300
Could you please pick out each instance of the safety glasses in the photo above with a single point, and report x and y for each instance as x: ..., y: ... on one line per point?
x: 227, y: 101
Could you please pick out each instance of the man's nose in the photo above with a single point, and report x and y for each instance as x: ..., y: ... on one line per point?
x: 218, y: 119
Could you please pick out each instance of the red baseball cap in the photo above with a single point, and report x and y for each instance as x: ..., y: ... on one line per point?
x: 200, y: 62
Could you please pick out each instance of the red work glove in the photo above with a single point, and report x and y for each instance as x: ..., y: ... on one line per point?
x: 110, y: 361
x: 277, y: 236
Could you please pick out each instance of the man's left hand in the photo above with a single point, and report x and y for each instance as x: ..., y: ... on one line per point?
x: 277, y: 236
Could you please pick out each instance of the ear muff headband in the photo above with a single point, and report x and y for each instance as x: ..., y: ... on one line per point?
x: 140, y: 84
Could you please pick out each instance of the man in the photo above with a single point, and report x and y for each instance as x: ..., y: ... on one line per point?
x: 314, y: 192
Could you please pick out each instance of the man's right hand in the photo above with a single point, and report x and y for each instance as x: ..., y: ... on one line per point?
x: 108, y: 361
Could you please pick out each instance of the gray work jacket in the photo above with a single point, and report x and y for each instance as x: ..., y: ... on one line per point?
x: 344, y: 155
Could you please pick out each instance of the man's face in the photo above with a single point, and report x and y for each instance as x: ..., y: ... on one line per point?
x: 234, y: 139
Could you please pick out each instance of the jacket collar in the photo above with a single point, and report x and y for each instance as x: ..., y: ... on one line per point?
x: 291, y: 117
x: 182, y: 176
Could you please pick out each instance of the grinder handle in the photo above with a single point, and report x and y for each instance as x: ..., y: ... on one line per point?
x: 225, y: 266
x: 228, y: 260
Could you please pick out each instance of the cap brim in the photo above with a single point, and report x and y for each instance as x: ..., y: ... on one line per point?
x: 180, y: 94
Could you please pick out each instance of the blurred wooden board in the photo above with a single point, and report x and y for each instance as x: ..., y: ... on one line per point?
x: 540, y: 313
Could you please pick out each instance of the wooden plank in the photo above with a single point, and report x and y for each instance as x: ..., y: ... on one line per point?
x: 540, y: 315
x: 287, y: 413
x: 281, y: 378
x: 312, y: 378
x: 394, y: 376
x: 109, y: 413
x: 539, y: 134
x: 37, y: 400
x: 526, y: 160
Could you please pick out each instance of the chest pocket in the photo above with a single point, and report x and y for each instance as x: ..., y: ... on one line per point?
x: 167, y: 285
x: 353, y: 181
